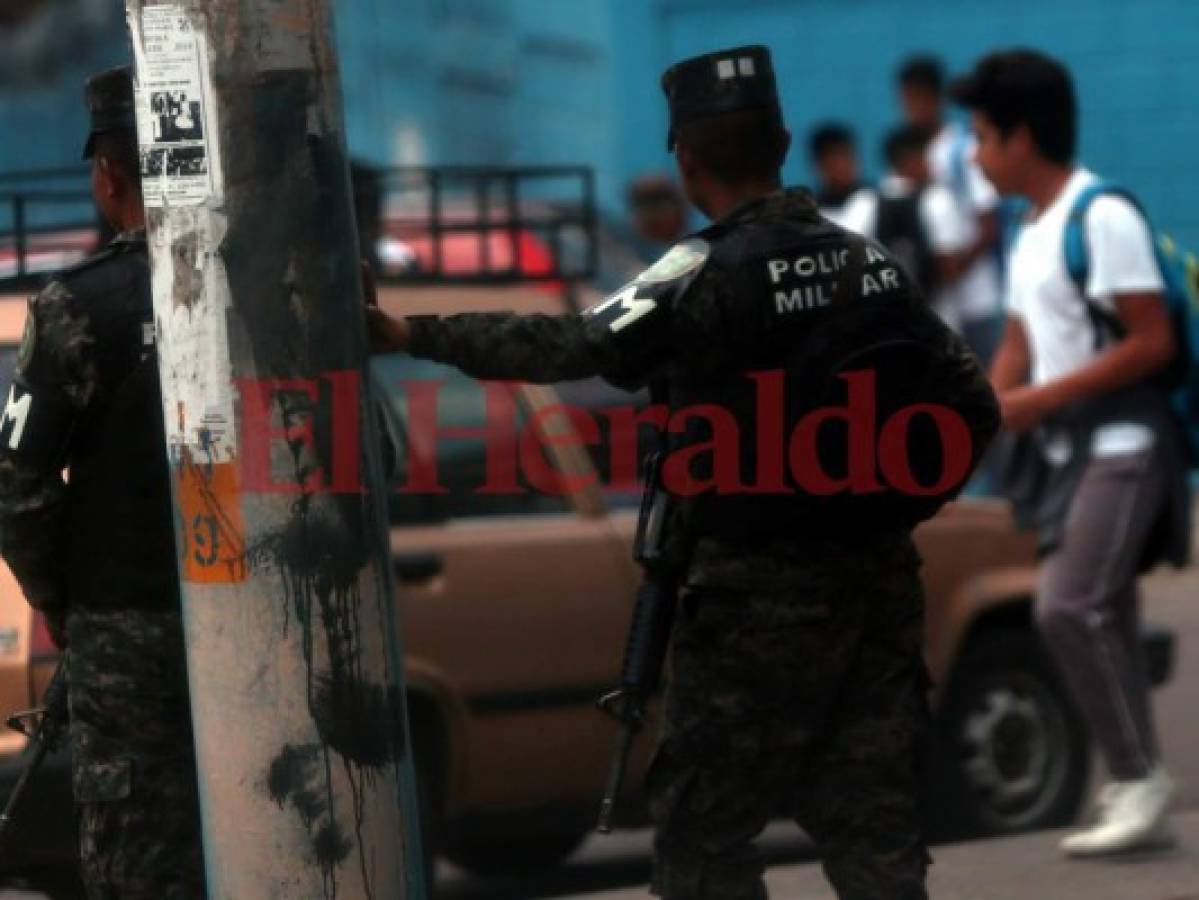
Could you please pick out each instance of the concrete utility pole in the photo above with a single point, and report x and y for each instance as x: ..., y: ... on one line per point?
x: 293, y: 653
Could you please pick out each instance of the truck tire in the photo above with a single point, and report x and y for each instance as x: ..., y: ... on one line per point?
x: 517, y: 854
x: 60, y: 885
x: 429, y: 787
x: 1010, y: 751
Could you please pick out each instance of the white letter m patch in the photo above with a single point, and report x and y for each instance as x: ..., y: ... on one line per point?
x: 16, y: 412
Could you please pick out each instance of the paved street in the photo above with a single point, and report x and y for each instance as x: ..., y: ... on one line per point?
x: 1023, y: 868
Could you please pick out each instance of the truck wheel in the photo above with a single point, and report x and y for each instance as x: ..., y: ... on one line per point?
x: 517, y: 854
x: 1010, y: 751
x: 65, y: 885
x: 428, y: 798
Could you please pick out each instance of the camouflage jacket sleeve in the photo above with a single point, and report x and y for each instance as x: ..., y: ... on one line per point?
x: 624, y: 338
x: 508, y: 346
x: 50, y: 389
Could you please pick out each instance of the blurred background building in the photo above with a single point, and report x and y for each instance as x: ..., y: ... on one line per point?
x: 46, y: 48
x: 575, y: 81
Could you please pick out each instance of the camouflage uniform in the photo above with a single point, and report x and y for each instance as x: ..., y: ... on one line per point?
x: 798, y: 685
x: 96, y: 555
x: 797, y: 688
x: 134, y: 775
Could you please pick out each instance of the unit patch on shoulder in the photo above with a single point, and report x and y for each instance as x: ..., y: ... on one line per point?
x: 28, y: 340
x: 682, y: 260
x: 668, y: 278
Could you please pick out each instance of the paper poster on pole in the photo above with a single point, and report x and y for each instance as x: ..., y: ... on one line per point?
x: 176, y: 124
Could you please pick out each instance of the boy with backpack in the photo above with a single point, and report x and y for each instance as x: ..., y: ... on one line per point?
x: 900, y: 213
x: 918, y: 219
x: 1087, y: 367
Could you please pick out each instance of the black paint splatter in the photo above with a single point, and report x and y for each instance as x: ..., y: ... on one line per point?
x: 297, y: 775
x: 294, y: 776
x: 362, y: 722
x: 331, y: 845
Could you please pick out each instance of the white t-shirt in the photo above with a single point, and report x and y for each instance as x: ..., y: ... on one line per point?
x: 942, y: 226
x: 857, y: 213
x: 1121, y: 260
x: 951, y: 163
x: 860, y: 213
x: 977, y: 294
x: 935, y: 202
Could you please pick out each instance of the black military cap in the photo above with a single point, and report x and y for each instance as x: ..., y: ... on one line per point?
x: 110, y: 104
x: 717, y: 83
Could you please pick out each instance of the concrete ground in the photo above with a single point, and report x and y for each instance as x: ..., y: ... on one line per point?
x: 1026, y: 867
x: 1020, y: 868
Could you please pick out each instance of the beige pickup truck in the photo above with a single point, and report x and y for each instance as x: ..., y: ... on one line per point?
x: 514, y: 610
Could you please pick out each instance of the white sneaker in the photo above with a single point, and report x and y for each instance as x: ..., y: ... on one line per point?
x: 1132, y: 816
x: 1107, y: 795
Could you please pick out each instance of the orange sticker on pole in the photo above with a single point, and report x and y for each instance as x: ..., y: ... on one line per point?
x: 209, y: 500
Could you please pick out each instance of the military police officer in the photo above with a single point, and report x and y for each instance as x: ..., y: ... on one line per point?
x: 797, y: 682
x: 96, y: 554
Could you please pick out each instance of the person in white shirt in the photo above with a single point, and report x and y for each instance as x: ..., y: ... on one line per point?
x: 1086, y: 380
x: 971, y: 290
x: 912, y: 218
x: 945, y: 233
x: 840, y: 194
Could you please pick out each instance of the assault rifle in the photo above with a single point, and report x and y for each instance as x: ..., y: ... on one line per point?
x: 45, y: 727
x: 649, y: 633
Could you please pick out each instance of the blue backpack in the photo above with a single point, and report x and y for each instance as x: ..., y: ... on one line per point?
x: 1180, y: 273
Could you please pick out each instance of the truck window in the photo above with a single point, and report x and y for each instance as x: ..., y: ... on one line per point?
x: 599, y: 398
x: 461, y: 463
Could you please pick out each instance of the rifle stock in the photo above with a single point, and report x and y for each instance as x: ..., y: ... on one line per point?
x: 51, y: 723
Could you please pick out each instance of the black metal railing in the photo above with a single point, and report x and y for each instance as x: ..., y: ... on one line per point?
x: 488, y: 224
x: 424, y: 225
x: 48, y: 221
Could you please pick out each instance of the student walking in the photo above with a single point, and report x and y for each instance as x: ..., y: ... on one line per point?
x: 1081, y: 370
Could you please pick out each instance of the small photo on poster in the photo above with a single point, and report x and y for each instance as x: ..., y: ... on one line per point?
x: 153, y: 162
x: 176, y: 116
x: 186, y: 162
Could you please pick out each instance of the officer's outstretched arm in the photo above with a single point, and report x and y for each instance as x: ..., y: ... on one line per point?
x: 39, y: 416
x: 623, y: 338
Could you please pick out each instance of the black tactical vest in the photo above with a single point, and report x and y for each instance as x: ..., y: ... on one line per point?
x: 118, y: 521
x: 812, y: 303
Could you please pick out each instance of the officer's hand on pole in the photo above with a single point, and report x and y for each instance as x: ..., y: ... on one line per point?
x: 386, y: 334
x: 370, y: 289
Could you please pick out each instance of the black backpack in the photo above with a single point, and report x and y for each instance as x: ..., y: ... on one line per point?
x: 900, y: 229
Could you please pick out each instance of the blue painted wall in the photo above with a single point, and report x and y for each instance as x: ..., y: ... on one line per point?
x: 1134, y: 62
x: 43, y: 64
x: 576, y: 80
x: 568, y: 81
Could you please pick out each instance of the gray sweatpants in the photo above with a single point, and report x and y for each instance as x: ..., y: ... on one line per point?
x: 1088, y: 606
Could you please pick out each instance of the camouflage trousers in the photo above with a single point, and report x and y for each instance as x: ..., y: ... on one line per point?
x: 797, y: 688
x: 134, y: 774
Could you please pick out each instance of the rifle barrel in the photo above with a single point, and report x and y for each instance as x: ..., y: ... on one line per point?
x: 50, y: 730
x: 616, y: 776
x: 14, y: 799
